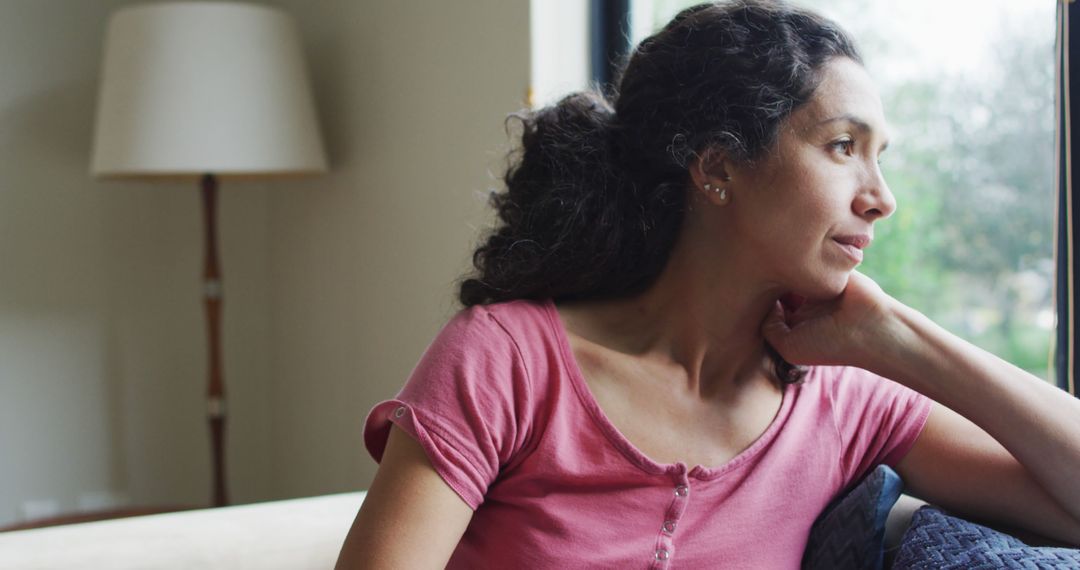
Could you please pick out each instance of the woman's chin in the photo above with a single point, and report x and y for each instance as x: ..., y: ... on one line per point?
x: 828, y: 286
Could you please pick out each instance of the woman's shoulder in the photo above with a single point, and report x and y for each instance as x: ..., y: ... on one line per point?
x: 511, y: 311
x: 858, y: 394
x: 852, y: 380
x: 842, y: 386
x: 519, y: 321
x: 520, y: 332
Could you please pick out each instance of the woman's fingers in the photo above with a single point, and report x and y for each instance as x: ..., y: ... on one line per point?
x: 827, y: 331
x: 775, y: 328
x: 812, y: 310
x: 792, y: 301
x: 806, y: 334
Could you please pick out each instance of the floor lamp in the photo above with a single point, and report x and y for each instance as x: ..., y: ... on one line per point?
x: 205, y: 90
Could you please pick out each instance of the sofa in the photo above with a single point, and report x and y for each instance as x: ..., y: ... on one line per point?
x: 291, y: 534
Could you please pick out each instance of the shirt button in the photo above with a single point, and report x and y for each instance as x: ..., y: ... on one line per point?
x: 400, y: 411
x: 669, y: 526
x: 682, y: 490
x: 662, y: 554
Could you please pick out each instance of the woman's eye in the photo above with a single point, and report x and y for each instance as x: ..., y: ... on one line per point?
x: 846, y: 145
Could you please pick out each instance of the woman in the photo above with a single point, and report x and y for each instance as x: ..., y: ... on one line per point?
x: 621, y: 390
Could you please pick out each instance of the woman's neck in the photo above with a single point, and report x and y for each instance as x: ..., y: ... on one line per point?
x: 707, y: 326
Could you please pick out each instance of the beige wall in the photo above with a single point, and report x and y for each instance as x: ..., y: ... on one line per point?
x: 333, y: 286
x: 412, y: 96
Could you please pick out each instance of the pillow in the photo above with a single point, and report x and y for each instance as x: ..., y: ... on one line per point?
x: 936, y: 540
x: 850, y: 532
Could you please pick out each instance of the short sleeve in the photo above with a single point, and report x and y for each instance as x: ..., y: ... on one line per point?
x: 877, y: 419
x: 465, y: 402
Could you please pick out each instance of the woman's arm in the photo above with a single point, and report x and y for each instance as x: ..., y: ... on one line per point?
x: 410, y: 518
x: 954, y: 462
x: 1011, y: 449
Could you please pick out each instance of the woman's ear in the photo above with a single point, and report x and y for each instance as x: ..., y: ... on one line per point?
x: 710, y: 170
x: 712, y: 166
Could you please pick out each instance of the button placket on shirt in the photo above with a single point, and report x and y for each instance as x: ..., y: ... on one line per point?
x: 665, y: 545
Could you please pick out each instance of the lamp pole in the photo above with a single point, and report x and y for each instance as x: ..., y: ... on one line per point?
x: 212, y: 295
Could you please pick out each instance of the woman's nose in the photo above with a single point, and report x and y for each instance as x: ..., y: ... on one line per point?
x: 875, y: 200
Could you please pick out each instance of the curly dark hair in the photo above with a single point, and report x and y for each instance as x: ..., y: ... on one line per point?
x: 597, y: 192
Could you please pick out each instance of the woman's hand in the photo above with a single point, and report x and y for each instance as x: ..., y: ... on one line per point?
x: 846, y: 330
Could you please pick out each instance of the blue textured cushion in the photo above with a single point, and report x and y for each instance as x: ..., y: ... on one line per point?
x: 850, y: 532
x: 936, y: 540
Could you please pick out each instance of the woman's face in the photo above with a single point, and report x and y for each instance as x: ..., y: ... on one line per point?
x: 821, y: 186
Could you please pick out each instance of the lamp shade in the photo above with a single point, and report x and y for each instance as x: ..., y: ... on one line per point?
x: 204, y: 87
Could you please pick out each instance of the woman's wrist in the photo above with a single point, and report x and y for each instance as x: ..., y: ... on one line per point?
x: 899, y: 346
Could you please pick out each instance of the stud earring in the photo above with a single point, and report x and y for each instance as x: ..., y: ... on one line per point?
x: 721, y: 191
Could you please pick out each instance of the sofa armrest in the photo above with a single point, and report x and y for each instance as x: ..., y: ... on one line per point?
x: 898, y: 522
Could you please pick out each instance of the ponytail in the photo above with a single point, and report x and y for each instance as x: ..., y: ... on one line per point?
x: 573, y: 225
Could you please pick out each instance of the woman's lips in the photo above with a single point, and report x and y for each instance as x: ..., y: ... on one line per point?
x: 861, y: 241
x: 853, y: 245
x: 851, y: 251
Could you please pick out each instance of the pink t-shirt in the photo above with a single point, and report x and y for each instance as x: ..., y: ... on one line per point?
x: 501, y: 408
